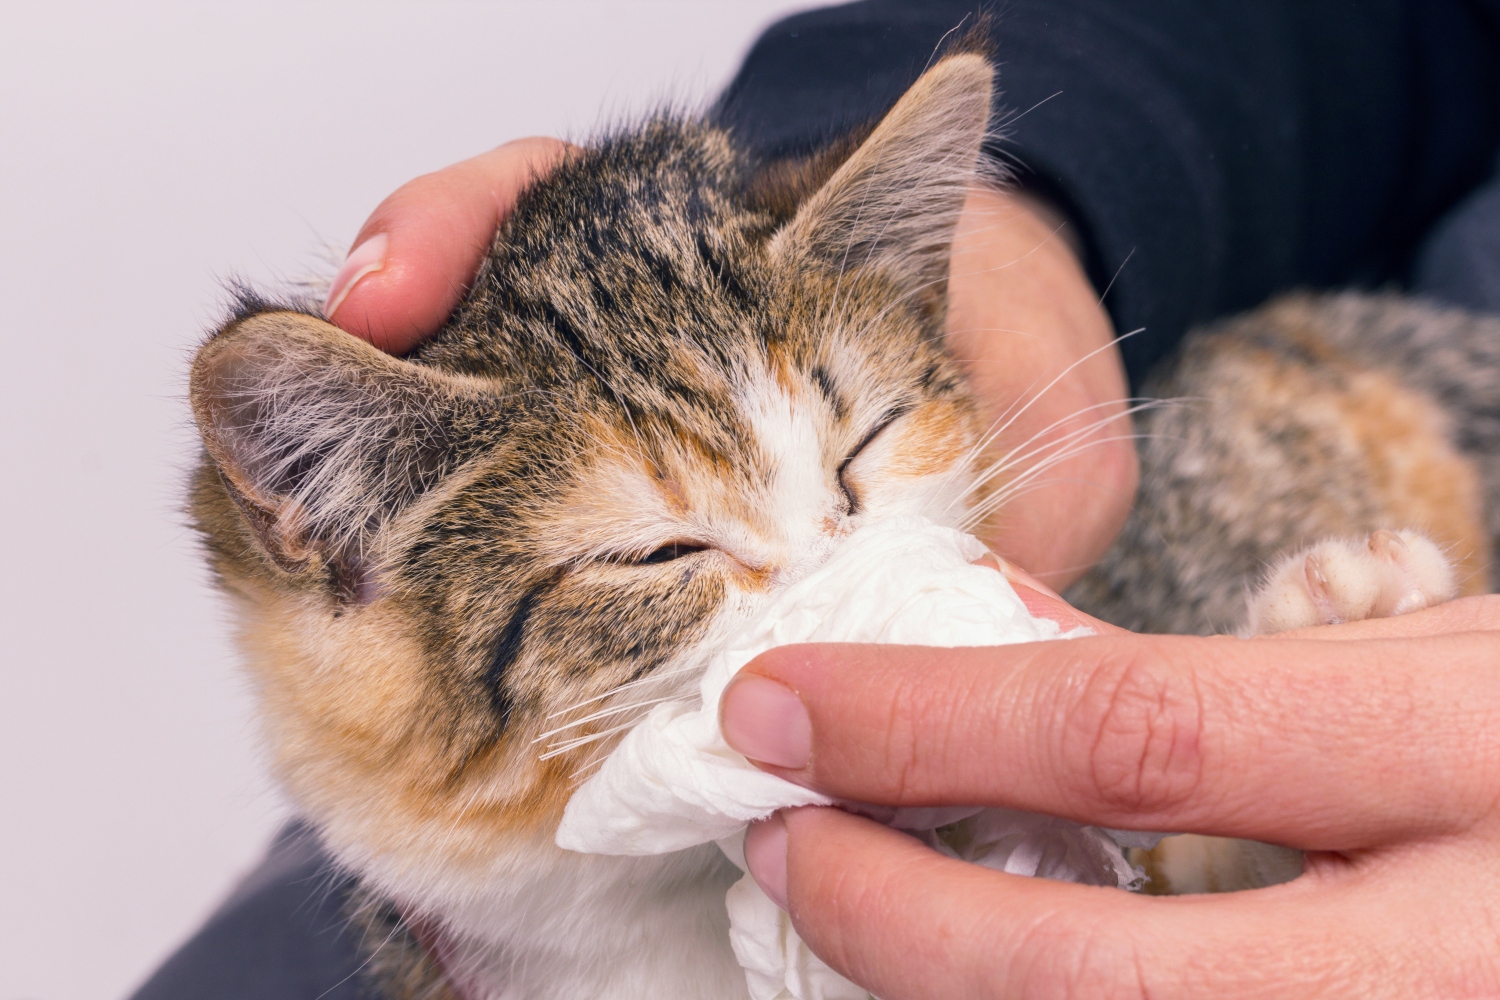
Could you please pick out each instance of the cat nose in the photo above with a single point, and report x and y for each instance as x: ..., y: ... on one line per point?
x: 799, y: 560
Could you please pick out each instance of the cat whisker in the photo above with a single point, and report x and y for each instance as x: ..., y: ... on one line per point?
x: 1007, y: 419
x: 596, y: 759
x: 1011, y: 459
x: 996, y: 500
x: 603, y: 713
x: 586, y: 769
x: 1011, y: 414
x: 656, y: 677
x: 557, y: 749
x: 1018, y: 454
x: 1118, y: 271
x: 636, y: 710
x: 979, y: 447
x: 1011, y: 455
x: 1138, y: 405
x: 1053, y: 460
x: 1002, y: 496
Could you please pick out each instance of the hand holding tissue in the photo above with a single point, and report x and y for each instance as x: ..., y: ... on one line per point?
x: 674, y: 783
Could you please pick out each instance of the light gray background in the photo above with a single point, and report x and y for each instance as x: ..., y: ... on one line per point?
x: 148, y: 150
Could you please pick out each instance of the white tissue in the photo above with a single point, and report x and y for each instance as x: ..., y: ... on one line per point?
x: 673, y: 782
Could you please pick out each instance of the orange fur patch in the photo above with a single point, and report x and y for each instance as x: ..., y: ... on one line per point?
x: 932, y: 440
x: 360, y: 733
x: 1426, y: 483
x: 1422, y: 479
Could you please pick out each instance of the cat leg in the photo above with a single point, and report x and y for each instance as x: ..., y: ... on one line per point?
x: 1347, y: 580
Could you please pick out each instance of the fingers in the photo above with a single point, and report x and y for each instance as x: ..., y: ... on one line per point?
x: 1297, y: 742
x: 1467, y: 614
x: 907, y: 923
x: 1043, y: 602
x: 418, y: 252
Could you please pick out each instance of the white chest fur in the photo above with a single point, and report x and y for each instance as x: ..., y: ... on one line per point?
x: 548, y: 924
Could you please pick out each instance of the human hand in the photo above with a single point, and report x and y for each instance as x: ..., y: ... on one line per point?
x: 1374, y: 746
x: 1038, y: 348
x: 1021, y: 315
x: 417, y: 253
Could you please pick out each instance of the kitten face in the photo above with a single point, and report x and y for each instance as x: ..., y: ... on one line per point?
x: 662, y: 401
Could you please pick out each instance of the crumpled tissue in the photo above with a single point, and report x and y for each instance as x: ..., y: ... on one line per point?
x: 673, y: 783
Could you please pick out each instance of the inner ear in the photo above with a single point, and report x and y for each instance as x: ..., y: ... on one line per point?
x: 895, y: 201
x: 321, y: 439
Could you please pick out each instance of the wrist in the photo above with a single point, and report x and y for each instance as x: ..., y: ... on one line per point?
x: 1038, y: 348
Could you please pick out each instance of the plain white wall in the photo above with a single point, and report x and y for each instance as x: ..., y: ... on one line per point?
x: 148, y: 150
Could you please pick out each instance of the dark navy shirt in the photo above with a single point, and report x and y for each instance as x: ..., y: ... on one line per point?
x: 1227, y: 150
x: 281, y: 935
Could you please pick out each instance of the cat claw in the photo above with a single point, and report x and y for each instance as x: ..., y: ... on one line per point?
x: 1315, y: 573
x: 1343, y: 580
x: 1386, y: 543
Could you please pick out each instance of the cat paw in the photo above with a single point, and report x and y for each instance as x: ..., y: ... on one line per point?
x: 1348, y: 580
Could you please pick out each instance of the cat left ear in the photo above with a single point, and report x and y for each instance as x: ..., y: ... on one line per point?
x: 895, y: 202
x: 320, y: 439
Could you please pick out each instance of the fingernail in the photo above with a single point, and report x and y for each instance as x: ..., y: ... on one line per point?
x: 765, y: 856
x: 367, y: 258
x: 767, y: 722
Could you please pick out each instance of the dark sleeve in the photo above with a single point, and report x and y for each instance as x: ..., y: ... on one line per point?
x: 1225, y: 149
x: 281, y: 935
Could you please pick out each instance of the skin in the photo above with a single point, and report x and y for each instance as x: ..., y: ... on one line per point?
x: 1038, y: 346
x: 438, y: 227
x: 1392, y: 787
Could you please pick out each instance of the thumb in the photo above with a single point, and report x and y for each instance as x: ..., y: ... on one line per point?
x: 416, y: 255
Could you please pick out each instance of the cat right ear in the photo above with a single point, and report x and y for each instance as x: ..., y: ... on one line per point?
x: 894, y: 203
x: 321, y: 439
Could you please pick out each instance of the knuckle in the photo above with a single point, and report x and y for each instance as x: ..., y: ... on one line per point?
x: 1135, y: 734
x: 922, y: 731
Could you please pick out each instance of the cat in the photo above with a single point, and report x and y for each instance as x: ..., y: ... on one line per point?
x: 677, y: 377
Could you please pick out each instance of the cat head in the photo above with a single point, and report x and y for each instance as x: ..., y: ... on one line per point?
x: 677, y: 381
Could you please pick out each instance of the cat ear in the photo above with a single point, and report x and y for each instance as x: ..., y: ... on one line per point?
x: 894, y: 203
x: 320, y: 438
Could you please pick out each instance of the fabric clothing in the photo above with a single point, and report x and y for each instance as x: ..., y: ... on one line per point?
x: 1226, y: 150
x: 1459, y: 264
x: 281, y: 935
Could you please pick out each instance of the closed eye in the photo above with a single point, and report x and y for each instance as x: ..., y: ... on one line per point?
x: 671, y: 551
x: 849, y: 494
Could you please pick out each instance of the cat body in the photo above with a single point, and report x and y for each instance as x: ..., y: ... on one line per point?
x: 679, y: 378
x: 1310, y: 418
